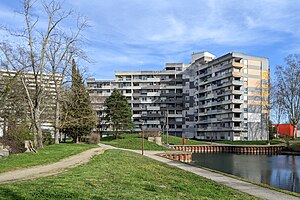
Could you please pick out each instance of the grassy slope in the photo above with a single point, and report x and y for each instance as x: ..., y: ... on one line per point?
x: 121, y: 175
x: 49, y: 154
x: 131, y: 141
x: 249, y: 142
x: 178, y: 141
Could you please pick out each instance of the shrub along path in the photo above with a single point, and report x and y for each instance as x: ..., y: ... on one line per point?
x: 49, y: 169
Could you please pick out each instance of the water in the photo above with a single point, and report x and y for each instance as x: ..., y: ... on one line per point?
x: 281, y: 171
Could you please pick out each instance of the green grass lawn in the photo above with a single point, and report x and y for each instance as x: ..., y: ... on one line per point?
x: 121, y: 175
x: 49, y: 154
x: 263, y: 142
x: 131, y: 141
x: 178, y: 141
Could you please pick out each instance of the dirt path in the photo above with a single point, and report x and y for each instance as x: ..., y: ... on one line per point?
x: 50, y: 169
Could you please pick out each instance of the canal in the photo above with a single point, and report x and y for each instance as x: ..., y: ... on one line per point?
x: 281, y: 171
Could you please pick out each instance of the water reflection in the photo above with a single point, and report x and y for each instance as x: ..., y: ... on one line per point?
x: 281, y: 171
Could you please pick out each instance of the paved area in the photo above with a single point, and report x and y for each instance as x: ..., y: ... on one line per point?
x: 246, y: 187
x: 49, y: 169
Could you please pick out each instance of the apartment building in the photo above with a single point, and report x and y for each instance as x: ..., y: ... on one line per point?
x: 49, y: 91
x: 223, y: 98
x: 153, y: 96
x: 232, y: 97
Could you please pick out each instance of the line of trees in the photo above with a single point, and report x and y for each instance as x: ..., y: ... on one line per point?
x: 40, y: 54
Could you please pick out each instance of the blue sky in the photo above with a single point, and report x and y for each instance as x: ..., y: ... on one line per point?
x: 144, y: 35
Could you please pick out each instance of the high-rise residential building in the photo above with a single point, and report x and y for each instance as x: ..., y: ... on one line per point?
x: 49, y: 91
x: 225, y: 98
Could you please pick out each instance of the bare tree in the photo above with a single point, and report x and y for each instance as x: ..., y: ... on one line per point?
x: 46, y: 52
x: 60, y: 53
x: 288, y: 89
x: 278, y: 113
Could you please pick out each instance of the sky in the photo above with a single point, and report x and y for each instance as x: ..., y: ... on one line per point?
x: 144, y: 35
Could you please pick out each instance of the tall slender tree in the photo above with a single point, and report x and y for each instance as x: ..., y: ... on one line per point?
x: 79, y: 117
x: 118, y: 112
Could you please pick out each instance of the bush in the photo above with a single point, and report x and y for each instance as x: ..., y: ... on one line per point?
x: 47, y: 138
x: 16, y: 136
x: 94, y: 138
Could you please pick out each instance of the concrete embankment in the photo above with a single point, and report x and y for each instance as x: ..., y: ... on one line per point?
x: 253, y: 149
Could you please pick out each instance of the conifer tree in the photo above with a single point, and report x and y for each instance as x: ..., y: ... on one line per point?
x: 118, y: 112
x: 79, y: 117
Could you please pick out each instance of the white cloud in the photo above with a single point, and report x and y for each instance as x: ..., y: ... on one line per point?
x: 143, y: 33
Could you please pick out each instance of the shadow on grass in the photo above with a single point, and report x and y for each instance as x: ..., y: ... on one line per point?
x: 9, y: 194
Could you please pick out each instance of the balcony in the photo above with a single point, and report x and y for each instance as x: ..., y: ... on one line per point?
x: 219, y: 68
x: 146, y: 101
x: 239, y: 101
x: 154, y: 115
x: 236, y: 110
x: 238, y: 65
x: 151, y: 87
x: 127, y: 94
x: 139, y: 94
x: 237, y: 92
x: 237, y: 74
x: 172, y: 108
x: 232, y: 119
x: 153, y: 94
x: 218, y: 128
x: 134, y: 101
x: 138, y: 108
x: 175, y: 115
x: 152, y: 122
x: 171, y: 94
x: 153, y: 108
x: 221, y: 76
x: 136, y: 115
x: 175, y: 130
x: 237, y: 83
x: 172, y: 101
x: 136, y: 87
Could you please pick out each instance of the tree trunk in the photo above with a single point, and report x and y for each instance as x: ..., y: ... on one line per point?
x: 57, y: 122
x: 295, y: 131
x: 4, y: 127
x: 35, y: 141
x: 38, y: 128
